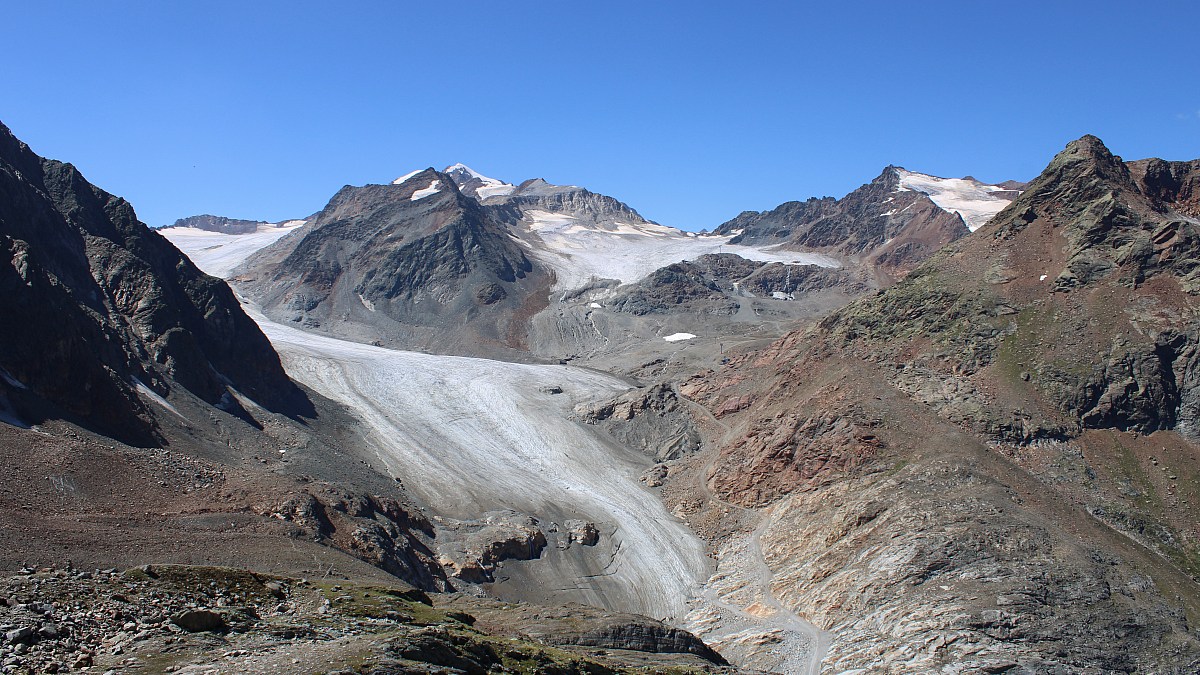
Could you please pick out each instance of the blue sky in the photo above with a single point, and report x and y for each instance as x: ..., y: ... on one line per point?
x: 689, y: 111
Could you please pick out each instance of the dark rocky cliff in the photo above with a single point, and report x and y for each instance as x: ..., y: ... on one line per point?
x: 92, y: 299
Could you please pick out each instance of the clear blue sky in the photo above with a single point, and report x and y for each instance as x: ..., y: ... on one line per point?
x: 689, y: 111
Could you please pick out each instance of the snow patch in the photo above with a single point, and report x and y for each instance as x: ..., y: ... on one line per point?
x: 485, y: 191
x: 12, y: 381
x: 406, y: 176
x: 595, y: 305
x: 150, y: 394
x: 678, y: 337
x: 491, y: 187
x: 367, y: 303
x: 433, y: 189
x: 972, y: 200
x: 1043, y: 277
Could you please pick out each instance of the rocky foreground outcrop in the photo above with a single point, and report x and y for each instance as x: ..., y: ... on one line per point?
x: 223, y: 620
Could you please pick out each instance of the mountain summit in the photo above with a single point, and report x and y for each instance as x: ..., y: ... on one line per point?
x: 476, y: 184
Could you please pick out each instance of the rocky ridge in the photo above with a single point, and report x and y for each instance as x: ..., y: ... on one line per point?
x: 111, y: 316
x: 990, y: 464
x: 889, y: 227
x: 400, y: 263
x: 210, y: 223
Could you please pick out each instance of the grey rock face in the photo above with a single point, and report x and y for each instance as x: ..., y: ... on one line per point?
x: 413, y: 264
x: 712, y: 284
x: 200, y: 621
x: 588, y: 207
x: 655, y: 421
x: 220, y: 224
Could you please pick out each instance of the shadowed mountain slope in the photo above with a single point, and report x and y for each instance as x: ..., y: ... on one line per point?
x: 98, y: 306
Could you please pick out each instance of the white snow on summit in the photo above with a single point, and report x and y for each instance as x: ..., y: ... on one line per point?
x: 491, y: 186
x: 976, y: 202
x: 406, y: 176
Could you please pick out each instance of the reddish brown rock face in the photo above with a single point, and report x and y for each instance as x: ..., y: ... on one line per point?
x: 992, y: 448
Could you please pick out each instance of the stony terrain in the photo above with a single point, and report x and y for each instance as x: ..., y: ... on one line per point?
x: 176, y: 619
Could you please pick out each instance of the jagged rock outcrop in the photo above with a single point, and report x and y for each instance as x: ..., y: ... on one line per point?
x: 654, y: 420
x: 417, y: 263
x: 895, y: 229
x: 471, y: 550
x: 1174, y: 186
x: 220, y: 224
x: 97, y: 304
x: 378, y: 530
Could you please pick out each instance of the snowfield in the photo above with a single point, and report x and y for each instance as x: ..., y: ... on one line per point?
x: 580, y: 253
x: 433, y: 189
x: 471, y: 435
x: 491, y: 187
x: 216, y: 253
x: 974, y: 201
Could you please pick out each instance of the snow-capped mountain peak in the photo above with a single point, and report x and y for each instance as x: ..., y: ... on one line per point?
x: 976, y: 202
x: 472, y: 182
x: 405, y: 177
